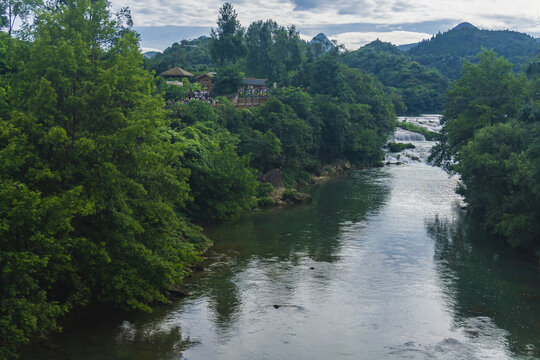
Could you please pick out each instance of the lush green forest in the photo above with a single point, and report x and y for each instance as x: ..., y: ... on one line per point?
x: 189, y: 54
x: 421, y: 88
x: 490, y: 138
x: 101, y: 184
x: 447, y: 52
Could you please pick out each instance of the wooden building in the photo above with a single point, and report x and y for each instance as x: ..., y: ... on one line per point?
x: 207, y: 80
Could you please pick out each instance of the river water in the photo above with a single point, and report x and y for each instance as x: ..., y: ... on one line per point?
x: 382, y: 265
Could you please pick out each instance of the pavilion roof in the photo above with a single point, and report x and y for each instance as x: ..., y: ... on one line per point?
x: 176, y: 71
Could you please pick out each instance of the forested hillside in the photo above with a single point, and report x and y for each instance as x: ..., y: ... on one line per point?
x: 447, y: 52
x: 421, y: 88
x: 193, y: 55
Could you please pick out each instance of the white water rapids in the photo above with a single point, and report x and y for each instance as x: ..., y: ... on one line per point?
x: 422, y: 146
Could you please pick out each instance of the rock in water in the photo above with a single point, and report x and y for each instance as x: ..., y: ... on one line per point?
x: 296, y: 197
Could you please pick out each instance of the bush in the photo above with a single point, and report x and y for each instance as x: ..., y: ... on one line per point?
x: 397, y: 147
x: 265, y: 201
x: 429, y: 135
x: 263, y: 189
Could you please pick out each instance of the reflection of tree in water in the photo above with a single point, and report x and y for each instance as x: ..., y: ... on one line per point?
x: 277, y: 240
x: 150, y: 342
x: 484, y: 278
x: 291, y: 232
x: 114, y: 335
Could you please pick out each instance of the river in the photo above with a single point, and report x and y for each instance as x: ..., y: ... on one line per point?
x: 383, y: 264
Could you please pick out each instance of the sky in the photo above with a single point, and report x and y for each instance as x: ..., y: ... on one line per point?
x: 350, y: 22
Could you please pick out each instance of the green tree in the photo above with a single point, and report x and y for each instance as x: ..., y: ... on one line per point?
x: 421, y: 88
x: 259, y: 42
x: 16, y: 9
x: 486, y: 94
x: 223, y: 185
x: 92, y: 188
x: 273, y: 51
x: 491, y: 141
x: 227, y: 44
x: 227, y: 81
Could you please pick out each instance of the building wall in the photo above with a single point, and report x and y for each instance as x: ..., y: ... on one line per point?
x: 205, y: 81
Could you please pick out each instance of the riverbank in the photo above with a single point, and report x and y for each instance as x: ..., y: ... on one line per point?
x: 283, y: 196
x: 383, y: 265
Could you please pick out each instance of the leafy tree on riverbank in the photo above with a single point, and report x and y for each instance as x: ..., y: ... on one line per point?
x: 486, y: 94
x: 92, y: 193
x: 490, y: 138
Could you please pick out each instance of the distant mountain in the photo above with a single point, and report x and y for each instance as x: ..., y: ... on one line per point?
x: 406, y: 47
x: 448, y: 51
x: 322, y: 43
x: 150, y: 54
x: 421, y: 88
x: 465, y: 25
x: 538, y: 39
x: 192, y: 55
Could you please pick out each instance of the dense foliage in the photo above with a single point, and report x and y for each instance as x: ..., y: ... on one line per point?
x: 421, y: 88
x: 192, y: 55
x: 398, y: 147
x: 447, y: 52
x: 273, y: 51
x: 490, y: 138
x: 97, y: 188
x: 100, y: 183
x: 299, y: 132
x: 227, y: 45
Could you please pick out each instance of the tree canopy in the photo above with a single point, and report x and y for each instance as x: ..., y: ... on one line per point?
x: 421, y: 88
x: 490, y: 138
x: 227, y: 44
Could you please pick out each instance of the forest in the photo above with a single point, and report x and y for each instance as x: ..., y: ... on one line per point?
x: 490, y: 138
x: 103, y: 188
x: 447, y: 52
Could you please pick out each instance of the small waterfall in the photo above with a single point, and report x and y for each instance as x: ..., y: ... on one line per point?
x: 407, y: 136
x: 422, y: 146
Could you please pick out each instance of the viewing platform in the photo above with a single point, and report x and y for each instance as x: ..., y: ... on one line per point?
x: 248, y: 101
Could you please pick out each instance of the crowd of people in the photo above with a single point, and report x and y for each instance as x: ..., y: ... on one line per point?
x: 204, y: 95
x: 253, y: 92
x: 194, y: 95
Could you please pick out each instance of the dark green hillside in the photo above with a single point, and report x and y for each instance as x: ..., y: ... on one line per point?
x: 448, y: 51
x: 188, y: 54
x: 421, y: 88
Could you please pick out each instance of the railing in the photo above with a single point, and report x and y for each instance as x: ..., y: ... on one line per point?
x: 248, y: 101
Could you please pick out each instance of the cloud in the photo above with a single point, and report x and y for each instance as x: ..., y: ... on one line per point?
x: 402, y: 20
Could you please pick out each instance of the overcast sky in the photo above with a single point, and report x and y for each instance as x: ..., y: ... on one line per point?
x: 351, y: 22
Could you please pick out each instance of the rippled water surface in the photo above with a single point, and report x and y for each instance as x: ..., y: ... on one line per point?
x: 382, y: 265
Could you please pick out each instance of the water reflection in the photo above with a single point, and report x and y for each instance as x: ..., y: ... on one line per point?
x: 493, y: 290
x: 259, y: 254
x: 108, y: 335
